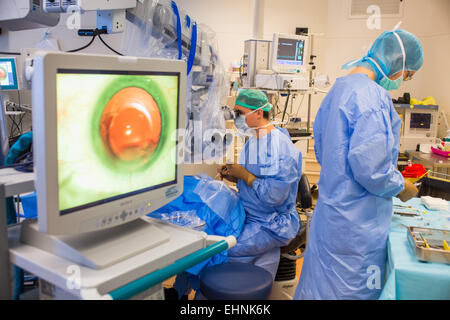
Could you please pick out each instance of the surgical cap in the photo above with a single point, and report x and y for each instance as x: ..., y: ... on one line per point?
x: 386, y: 51
x: 253, y: 99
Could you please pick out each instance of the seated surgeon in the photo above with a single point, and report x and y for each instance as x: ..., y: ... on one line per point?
x: 267, y: 177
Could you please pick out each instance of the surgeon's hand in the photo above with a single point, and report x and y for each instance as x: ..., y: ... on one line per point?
x: 223, y: 173
x: 236, y: 171
x: 409, y: 191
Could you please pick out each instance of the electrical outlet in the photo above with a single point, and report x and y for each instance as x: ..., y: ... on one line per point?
x: 51, y: 6
x: 65, y: 4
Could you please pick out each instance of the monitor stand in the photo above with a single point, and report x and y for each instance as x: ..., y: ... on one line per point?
x: 97, y: 249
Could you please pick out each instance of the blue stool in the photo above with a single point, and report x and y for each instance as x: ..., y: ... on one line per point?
x: 235, y: 281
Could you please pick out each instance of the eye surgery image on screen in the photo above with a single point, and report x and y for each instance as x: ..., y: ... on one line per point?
x: 8, y: 76
x: 114, y: 134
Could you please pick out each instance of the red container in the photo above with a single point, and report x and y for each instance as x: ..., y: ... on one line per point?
x: 414, y: 171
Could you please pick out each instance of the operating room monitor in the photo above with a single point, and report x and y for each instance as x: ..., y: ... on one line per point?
x: 289, y: 53
x: 420, y: 121
x: 8, y: 74
x: 104, y: 146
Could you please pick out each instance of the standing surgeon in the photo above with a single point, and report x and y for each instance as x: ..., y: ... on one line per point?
x: 357, y: 139
x: 267, y: 177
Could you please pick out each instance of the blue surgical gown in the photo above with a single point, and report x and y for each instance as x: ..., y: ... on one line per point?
x: 272, y: 219
x: 357, y: 140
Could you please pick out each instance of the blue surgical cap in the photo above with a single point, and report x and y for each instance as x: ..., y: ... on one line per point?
x: 387, y: 52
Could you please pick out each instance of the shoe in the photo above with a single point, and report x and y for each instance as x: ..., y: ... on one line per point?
x: 170, y: 294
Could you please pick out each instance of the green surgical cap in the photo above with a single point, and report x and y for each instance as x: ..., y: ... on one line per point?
x: 253, y: 99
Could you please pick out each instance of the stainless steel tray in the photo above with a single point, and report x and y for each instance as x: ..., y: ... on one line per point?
x: 418, y: 237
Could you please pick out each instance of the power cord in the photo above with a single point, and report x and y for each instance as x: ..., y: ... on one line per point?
x: 94, y: 33
x: 81, y: 32
x: 101, y: 39
x: 241, y: 61
x: 22, y: 115
x: 285, y: 107
x: 84, y: 47
x: 22, y: 167
x: 24, y: 163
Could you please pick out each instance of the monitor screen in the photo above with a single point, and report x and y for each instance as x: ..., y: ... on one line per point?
x: 114, y: 134
x: 420, y: 121
x: 290, y: 51
x: 8, y: 74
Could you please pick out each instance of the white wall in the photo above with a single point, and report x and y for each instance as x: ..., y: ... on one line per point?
x: 13, y: 41
x: 284, y: 16
x: 428, y: 20
x: 344, y: 39
x: 232, y: 20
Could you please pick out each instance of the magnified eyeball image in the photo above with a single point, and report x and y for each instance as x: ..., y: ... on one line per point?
x: 113, y: 135
x: 131, y: 124
x: 3, y: 74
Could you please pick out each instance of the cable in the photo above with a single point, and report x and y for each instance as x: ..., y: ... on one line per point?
x: 286, y: 104
x: 22, y: 115
x: 10, y: 53
x: 84, y: 47
x: 24, y: 163
x: 14, y: 124
x: 11, y: 128
x: 299, y: 106
x: 241, y: 67
x: 16, y: 165
x: 95, y: 33
x: 25, y: 167
x: 278, y: 100
x: 109, y: 46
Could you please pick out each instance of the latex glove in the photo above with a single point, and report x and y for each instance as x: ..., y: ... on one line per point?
x: 409, y: 191
x: 239, y: 172
x: 222, y: 173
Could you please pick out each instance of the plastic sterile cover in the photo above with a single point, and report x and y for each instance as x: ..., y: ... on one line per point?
x: 152, y: 30
x: 217, y: 195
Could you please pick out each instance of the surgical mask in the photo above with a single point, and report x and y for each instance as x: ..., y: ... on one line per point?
x: 385, y: 82
x: 389, y: 84
x: 241, y: 123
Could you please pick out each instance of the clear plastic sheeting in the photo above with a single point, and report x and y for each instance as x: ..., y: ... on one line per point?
x: 217, y: 196
x: 161, y: 29
x: 48, y: 42
x: 189, y: 210
x: 188, y: 219
x: 144, y: 36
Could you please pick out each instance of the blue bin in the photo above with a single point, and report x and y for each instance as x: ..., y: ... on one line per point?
x: 29, y: 205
